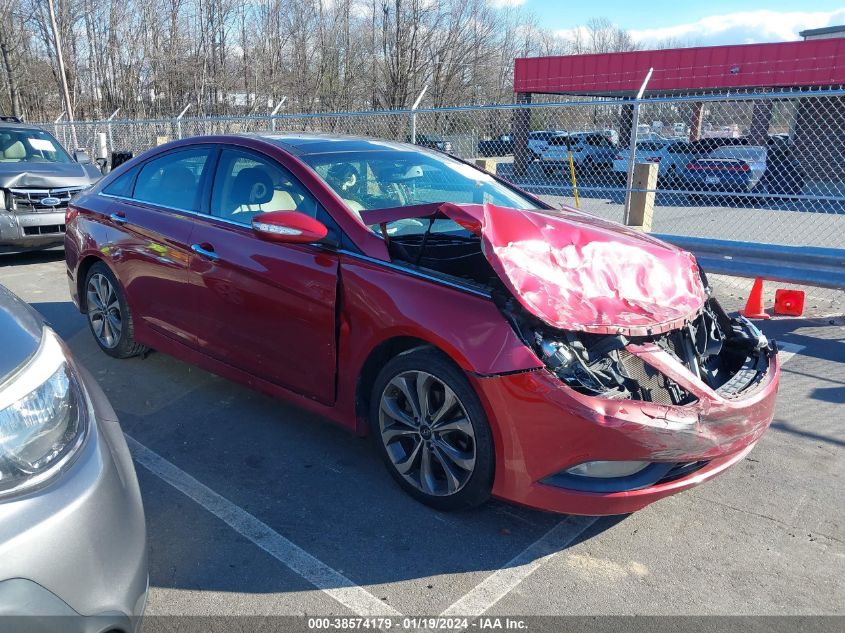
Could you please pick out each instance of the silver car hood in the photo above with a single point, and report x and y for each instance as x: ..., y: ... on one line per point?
x: 47, y: 175
x: 20, y: 332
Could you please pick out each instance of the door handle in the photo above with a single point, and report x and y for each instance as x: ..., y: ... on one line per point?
x: 207, y: 253
x: 118, y: 218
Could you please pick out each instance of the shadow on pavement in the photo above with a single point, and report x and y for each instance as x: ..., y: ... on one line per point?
x: 309, y: 480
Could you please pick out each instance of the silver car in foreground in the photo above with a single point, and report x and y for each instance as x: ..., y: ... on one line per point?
x: 73, y: 552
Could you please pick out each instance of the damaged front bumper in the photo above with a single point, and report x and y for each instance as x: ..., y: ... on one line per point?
x: 545, y: 430
x: 24, y: 231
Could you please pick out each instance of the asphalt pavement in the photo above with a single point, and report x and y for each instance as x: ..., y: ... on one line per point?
x: 255, y: 507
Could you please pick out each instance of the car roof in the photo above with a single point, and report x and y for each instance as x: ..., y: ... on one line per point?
x: 18, y: 125
x: 301, y: 144
x: 735, y: 148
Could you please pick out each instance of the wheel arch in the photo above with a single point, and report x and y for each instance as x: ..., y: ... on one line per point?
x: 85, y: 264
x: 378, y: 357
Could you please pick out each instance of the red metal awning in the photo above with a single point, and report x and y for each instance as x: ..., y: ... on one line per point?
x: 811, y: 63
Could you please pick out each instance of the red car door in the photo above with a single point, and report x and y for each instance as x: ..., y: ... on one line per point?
x: 152, y: 210
x: 265, y: 308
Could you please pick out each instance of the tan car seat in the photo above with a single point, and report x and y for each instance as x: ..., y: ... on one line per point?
x: 15, y: 151
x: 357, y: 207
x: 253, y: 192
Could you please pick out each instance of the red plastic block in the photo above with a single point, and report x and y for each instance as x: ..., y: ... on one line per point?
x: 789, y: 302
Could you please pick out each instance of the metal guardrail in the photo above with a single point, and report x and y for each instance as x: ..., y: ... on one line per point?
x: 789, y: 264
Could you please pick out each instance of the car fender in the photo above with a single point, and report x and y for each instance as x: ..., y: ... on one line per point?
x: 380, y: 302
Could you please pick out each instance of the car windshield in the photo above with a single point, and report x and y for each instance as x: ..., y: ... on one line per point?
x: 739, y: 153
x: 30, y: 146
x: 400, y: 178
x: 649, y: 146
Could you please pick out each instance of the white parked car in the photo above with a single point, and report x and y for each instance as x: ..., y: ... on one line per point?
x: 539, y: 140
x: 647, y: 151
x: 673, y: 157
x: 589, y: 149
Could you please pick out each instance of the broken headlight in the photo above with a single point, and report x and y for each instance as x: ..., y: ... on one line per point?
x: 594, y: 371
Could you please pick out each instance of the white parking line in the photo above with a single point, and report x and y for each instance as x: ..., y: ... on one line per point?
x: 292, y: 556
x: 787, y: 351
x: 501, y: 582
x: 476, y: 602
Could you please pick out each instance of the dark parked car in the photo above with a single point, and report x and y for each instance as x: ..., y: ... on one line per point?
x: 37, y: 180
x: 730, y: 168
x: 491, y: 344
x: 501, y: 145
x: 433, y: 141
x: 784, y: 173
x: 72, y: 534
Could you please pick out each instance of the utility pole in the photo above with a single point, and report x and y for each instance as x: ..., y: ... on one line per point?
x: 57, y: 41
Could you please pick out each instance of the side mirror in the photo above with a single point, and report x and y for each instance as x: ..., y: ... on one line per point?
x: 291, y: 227
x: 81, y: 156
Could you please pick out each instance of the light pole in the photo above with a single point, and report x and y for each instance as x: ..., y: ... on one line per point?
x: 57, y: 41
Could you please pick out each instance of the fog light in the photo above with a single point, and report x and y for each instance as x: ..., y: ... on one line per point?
x: 607, y: 469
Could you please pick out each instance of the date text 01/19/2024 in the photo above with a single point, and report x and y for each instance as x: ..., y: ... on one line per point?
x: 454, y: 624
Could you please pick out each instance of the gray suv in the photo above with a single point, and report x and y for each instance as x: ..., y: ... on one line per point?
x: 37, y: 180
x: 73, y: 550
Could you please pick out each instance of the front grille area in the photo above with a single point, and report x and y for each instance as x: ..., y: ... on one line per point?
x: 46, y: 229
x: 32, y: 200
x: 654, y: 386
x: 682, y: 470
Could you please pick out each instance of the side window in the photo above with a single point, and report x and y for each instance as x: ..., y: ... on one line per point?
x: 247, y: 184
x: 122, y: 185
x: 173, y: 180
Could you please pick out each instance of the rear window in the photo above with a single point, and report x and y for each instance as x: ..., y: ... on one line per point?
x: 680, y: 148
x: 558, y: 140
x: 543, y: 135
x: 739, y: 153
x: 597, y: 140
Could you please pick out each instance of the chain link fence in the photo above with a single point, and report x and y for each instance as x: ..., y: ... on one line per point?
x: 759, y: 167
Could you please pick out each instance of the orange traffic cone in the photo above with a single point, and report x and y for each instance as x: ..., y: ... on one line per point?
x: 754, y: 305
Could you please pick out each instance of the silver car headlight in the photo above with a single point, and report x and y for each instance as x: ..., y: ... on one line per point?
x: 43, y: 418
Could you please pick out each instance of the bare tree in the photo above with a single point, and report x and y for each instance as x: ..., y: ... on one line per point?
x: 153, y: 57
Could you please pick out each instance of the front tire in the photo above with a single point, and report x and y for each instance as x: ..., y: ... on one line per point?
x: 431, y: 431
x: 108, y: 313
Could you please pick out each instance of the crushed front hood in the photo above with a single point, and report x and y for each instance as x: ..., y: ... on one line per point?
x: 47, y: 175
x: 578, y: 272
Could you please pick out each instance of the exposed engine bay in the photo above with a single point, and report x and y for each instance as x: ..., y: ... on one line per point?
x: 728, y: 354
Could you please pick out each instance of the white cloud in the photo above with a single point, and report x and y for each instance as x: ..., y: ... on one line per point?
x: 501, y: 4
x: 745, y: 27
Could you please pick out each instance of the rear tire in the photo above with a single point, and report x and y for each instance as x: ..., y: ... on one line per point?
x: 431, y: 431
x: 109, y: 317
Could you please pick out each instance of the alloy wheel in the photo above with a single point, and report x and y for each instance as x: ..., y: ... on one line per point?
x: 104, y: 310
x: 427, y: 433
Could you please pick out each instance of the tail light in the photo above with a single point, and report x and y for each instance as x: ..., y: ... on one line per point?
x: 619, y: 157
x: 693, y: 166
x: 70, y: 213
x: 745, y: 167
x: 654, y: 159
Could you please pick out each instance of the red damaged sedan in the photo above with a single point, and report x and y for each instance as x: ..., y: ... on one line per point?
x: 492, y: 345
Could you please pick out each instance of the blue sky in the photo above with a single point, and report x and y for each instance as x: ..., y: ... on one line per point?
x: 708, y: 22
